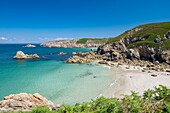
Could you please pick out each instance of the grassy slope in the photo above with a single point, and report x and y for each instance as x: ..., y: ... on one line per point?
x: 150, y: 31
x: 98, y: 40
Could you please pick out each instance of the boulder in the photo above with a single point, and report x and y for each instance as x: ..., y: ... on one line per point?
x: 62, y: 53
x: 133, y: 54
x: 167, y: 35
x: 100, y: 50
x: 107, y: 48
x: 77, y: 59
x: 146, y: 52
x: 127, y: 40
x: 21, y: 55
x: 165, y: 57
x: 24, y: 102
x: 157, y: 39
x: 120, y: 45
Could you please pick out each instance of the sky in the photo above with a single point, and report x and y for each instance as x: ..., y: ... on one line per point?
x: 37, y: 21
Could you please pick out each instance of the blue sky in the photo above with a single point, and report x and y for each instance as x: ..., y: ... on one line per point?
x: 36, y: 21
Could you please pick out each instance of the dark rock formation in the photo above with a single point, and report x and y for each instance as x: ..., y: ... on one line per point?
x: 167, y: 35
x: 157, y: 39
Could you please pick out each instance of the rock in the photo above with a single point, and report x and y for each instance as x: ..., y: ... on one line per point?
x: 21, y: 55
x: 133, y: 54
x: 127, y: 40
x: 120, y: 45
x: 72, y: 44
x: 107, y: 48
x: 167, y: 35
x: 154, y: 75
x: 24, y: 102
x: 115, y: 55
x: 29, y: 46
x: 56, y: 106
x: 100, y: 50
x: 168, y: 70
x: 165, y: 57
x: 143, y: 70
x: 157, y: 39
x: 81, y: 58
x: 149, y: 71
x: 102, y: 62
x: 62, y: 53
x: 74, y: 53
x: 146, y: 52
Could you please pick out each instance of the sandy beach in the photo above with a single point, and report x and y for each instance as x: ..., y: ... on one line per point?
x: 133, y: 79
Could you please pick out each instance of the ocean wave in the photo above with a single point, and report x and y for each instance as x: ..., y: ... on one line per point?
x: 109, y: 67
x: 112, y: 84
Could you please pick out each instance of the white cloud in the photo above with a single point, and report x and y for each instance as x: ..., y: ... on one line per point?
x: 3, y: 38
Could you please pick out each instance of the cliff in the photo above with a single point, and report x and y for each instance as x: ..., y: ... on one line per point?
x: 75, y: 43
x: 147, y: 42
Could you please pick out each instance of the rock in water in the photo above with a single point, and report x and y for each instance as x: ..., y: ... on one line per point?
x: 62, y: 53
x: 21, y: 55
x: 29, y: 46
x: 24, y: 102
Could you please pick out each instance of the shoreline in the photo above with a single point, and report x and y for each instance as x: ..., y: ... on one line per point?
x: 133, y: 79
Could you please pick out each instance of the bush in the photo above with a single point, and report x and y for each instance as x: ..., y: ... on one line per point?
x: 152, y: 101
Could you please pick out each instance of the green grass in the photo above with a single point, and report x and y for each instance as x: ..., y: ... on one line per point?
x: 150, y: 31
x: 97, y: 40
x: 152, y: 101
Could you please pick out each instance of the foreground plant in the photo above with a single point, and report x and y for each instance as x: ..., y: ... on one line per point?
x: 152, y: 101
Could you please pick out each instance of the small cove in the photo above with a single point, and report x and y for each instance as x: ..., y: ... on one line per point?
x: 51, y: 76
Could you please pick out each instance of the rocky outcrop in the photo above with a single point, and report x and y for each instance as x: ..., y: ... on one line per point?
x: 120, y: 45
x: 24, y: 102
x: 82, y: 58
x: 77, y: 59
x: 120, y: 51
x: 71, y: 44
x: 167, y: 35
x: 157, y: 39
x: 133, y: 54
x: 29, y: 46
x: 21, y: 55
x: 62, y: 53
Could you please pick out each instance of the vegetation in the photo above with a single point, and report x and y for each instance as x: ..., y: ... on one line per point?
x: 152, y: 101
x: 97, y: 40
x: 148, y: 31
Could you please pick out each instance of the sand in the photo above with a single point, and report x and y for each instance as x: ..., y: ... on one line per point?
x: 133, y: 79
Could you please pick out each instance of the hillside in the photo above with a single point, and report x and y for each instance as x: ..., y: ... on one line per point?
x: 140, y: 35
x: 76, y: 43
x: 146, y: 34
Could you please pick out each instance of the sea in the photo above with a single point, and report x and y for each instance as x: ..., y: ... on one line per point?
x: 51, y: 76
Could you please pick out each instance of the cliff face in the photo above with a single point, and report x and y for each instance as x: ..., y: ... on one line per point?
x: 75, y: 43
x: 146, y: 42
x: 152, y: 35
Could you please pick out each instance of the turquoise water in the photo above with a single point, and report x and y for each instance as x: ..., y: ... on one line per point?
x: 51, y: 76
